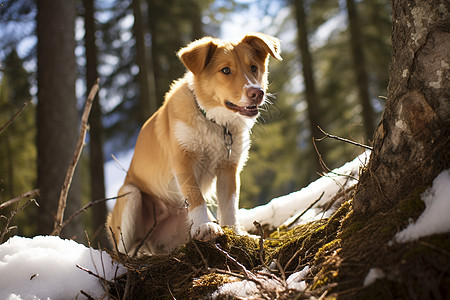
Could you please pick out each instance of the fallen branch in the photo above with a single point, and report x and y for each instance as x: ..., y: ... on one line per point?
x: 14, y: 117
x: 238, y: 264
x: 76, y: 156
x: 86, y: 206
x: 149, y: 233
x: 261, y: 242
x: 13, y: 213
x: 29, y: 194
x: 309, y: 207
x: 327, y: 135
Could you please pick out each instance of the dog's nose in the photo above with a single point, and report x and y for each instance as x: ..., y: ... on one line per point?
x: 255, y: 94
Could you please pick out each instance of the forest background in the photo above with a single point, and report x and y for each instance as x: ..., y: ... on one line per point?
x: 334, y: 75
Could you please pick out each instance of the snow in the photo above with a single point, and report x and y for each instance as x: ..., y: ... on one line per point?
x: 45, y: 267
x: 248, y: 289
x: 434, y: 219
x: 373, y: 275
x: 285, y: 209
x: 115, y: 175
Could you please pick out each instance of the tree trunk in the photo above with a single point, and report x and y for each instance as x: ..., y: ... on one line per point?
x: 147, y: 101
x: 360, y: 69
x: 197, y: 24
x: 96, y: 159
x: 57, y: 116
x: 310, y: 88
x: 412, y: 141
x: 153, y: 10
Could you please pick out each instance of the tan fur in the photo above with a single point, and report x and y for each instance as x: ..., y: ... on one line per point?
x: 180, y: 152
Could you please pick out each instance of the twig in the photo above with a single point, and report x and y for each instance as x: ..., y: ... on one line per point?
x: 13, y: 213
x: 91, y: 273
x: 86, y: 206
x: 261, y: 242
x: 76, y: 156
x: 29, y: 194
x: 309, y: 207
x: 227, y: 255
x: 87, y: 295
x: 322, y: 163
x: 327, y: 135
x: 118, y: 163
x: 205, y: 262
x: 14, y: 117
x: 149, y: 233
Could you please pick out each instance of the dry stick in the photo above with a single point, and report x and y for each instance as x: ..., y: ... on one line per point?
x: 149, y: 233
x: 114, y: 241
x: 29, y: 194
x: 13, y: 213
x: 309, y: 207
x: 261, y: 241
x: 205, y: 262
x: 76, y: 156
x: 86, y: 206
x: 87, y: 295
x: 327, y: 135
x: 14, y: 117
x: 238, y: 264
x: 118, y: 163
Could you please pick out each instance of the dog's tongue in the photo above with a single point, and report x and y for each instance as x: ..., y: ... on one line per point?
x: 248, y: 111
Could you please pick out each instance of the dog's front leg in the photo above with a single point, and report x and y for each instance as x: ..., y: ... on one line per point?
x: 228, y: 183
x: 202, y: 228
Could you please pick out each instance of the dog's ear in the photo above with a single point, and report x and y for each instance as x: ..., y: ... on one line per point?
x: 198, y: 54
x: 264, y: 44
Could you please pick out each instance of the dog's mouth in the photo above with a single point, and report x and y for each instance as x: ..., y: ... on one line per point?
x: 248, y: 111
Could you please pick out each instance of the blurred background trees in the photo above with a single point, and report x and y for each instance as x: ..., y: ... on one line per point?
x: 340, y: 48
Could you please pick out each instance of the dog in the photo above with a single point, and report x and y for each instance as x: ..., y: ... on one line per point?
x: 196, y: 143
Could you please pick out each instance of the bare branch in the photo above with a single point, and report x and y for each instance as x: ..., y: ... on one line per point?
x: 76, y: 156
x: 14, y: 117
x: 13, y: 213
x: 261, y: 241
x: 327, y: 135
x: 29, y: 194
x: 309, y: 207
x: 86, y: 206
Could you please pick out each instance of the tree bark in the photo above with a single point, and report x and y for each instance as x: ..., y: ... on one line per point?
x: 360, y: 69
x: 147, y: 97
x: 96, y: 158
x: 308, y: 75
x: 196, y: 18
x: 153, y: 10
x: 57, y: 115
x: 412, y: 141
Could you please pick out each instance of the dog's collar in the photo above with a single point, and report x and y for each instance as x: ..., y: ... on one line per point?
x: 227, y: 135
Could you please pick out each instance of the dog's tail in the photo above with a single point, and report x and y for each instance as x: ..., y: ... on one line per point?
x: 122, y: 220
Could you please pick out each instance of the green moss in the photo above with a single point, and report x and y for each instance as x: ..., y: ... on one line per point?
x: 339, y: 250
x: 207, y: 284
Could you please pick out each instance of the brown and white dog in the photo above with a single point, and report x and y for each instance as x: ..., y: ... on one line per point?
x: 198, y: 138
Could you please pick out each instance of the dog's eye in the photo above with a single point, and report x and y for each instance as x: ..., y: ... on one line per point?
x: 226, y: 70
x: 254, y: 68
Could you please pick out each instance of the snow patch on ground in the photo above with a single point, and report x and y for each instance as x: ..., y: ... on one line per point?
x: 373, y: 275
x: 286, y: 208
x: 44, y: 267
x: 434, y: 219
x: 246, y: 289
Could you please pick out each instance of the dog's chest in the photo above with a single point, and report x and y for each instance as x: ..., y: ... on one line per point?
x: 212, y: 144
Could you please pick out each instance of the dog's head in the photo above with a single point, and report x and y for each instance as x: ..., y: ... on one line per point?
x: 230, y: 77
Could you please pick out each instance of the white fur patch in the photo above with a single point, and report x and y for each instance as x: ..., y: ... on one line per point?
x: 203, y: 229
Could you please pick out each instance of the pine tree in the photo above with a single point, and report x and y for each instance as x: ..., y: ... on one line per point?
x: 57, y: 115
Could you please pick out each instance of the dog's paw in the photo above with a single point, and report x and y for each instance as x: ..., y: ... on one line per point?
x: 206, y: 232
